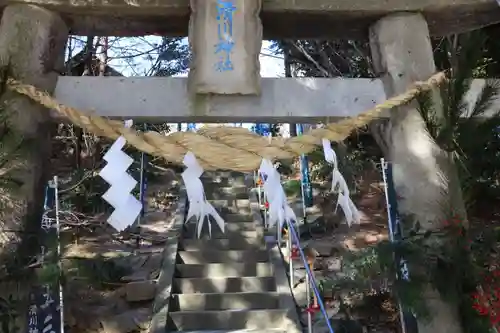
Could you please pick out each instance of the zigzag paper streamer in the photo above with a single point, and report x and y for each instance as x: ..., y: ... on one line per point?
x: 279, y: 209
x: 127, y: 207
x: 338, y: 183
x: 199, y: 207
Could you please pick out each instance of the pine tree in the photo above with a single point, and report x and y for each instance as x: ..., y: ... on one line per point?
x: 470, y: 134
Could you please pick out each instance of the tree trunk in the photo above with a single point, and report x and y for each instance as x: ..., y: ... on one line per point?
x: 425, y: 177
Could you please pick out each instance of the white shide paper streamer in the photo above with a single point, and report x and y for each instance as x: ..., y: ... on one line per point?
x: 199, y: 207
x: 119, y: 195
x: 279, y: 209
x: 339, y: 184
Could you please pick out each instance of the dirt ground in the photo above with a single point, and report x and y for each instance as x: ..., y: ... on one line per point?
x: 121, y: 301
x: 373, y: 311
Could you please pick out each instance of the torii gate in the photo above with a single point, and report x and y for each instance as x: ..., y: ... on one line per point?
x: 224, y: 84
x: 400, y: 46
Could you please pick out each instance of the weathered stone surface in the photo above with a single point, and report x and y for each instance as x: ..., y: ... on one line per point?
x: 402, y: 53
x: 32, y: 41
x: 225, y: 38
x: 137, y: 276
x: 282, y: 19
x: 140, y: 291
x: 311, y: 100
x: 127, y: 322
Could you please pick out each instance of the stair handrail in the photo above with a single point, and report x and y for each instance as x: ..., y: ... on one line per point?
x: 312, y: 281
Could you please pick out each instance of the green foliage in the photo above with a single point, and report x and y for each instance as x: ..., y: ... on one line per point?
x: 85, y: 186
x: 173, y: 57
x: 471, y: 138
x: 314, y: 58
x: 292, y: 187
x: 357, y: 153
x: 8, y: 315
x: 451, y: 260
x: 100, y: 272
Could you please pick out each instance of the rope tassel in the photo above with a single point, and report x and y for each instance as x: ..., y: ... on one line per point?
x: 351, y: 213
x: 199, y: 207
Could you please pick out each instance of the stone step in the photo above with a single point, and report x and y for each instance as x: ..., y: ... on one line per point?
x: 221, y: 256
x: 224, y: 285
x: 212, y: 194
x: 223, y: 182
x: 237, y: 331
x: 218, y: 234
x: 223, y: 174
x: 224, y: 301
x: 223, y: 210
x: 230, y: 202
x: 221, y: 244
x: 215, y: 270
x: 228, y: 190
x: 237, y: 217
x: 230, y: 320
x: 228, y: 226
x: 216, y: 187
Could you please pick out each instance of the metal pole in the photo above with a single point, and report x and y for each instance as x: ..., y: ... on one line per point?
x: 265, y: 210
x: 311, y: 284
x: 290, y: 258
x: 259, y: 193
x: 142, y: 185
x: 58, y: 228
x: 308, y: 295
x: 393, y: 220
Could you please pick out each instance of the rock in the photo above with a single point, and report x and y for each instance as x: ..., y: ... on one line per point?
x: 320, y: 325
x: 127, y: 322
x: 140, y: 291
x: 371, y: 239
x: 117, y: 293
x: 151, y: 249
x: 137, y: 276
x: 346, y: 326
x: 333, y: 264
x: 324, y: 248
x: 153, y: 263
x: 132, y: 262
x: 299, y: 293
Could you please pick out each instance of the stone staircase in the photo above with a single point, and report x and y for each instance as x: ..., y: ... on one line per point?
x: 232, y: 282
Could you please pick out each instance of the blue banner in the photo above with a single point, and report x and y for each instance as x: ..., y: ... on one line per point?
x: 408, y: 320
x: 262, y: 129
x: 44, y: 312
x: 305, y: 178
x: 144, y: 179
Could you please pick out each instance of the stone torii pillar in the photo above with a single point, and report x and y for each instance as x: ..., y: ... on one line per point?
x: 225, y: 38
x: 402, y: 54
x: 32, y: 42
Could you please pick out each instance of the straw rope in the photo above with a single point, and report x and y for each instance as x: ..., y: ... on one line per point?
x: 221, y: 147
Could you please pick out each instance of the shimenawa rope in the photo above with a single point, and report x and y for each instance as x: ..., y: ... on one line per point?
x: 222, y: 148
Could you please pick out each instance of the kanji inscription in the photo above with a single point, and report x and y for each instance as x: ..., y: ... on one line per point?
x: 225, y: 38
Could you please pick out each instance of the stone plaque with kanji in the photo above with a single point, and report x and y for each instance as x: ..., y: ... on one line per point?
x: 225, y: 38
